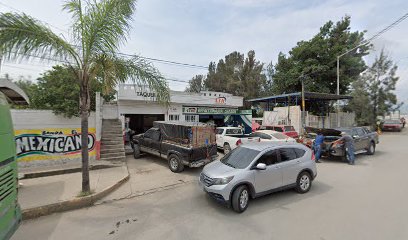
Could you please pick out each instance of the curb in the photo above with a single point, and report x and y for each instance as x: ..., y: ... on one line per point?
x: 62, y: 171
x: 76, y: 203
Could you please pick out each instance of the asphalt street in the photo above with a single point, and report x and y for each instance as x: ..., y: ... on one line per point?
x: 364, y: 201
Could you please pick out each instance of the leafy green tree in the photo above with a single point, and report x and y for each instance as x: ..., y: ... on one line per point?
x: 196, y: 84
x: 379, y: 84
x: 99, y: 29
x: 360, y: 104
x: 57, y: 90
x: 237, y: 74
x: 315, y: 59
x: 28, y: 87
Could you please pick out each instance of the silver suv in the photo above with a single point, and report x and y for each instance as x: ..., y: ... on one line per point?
x: 256, y: 169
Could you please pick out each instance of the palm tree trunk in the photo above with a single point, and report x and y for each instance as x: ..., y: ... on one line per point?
x: 84, y: 134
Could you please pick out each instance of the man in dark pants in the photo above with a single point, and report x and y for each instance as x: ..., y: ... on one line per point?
x: 318, y: 142
x: 349, y: 144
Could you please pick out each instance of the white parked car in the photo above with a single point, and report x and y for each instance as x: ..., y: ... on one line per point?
x: 272, y: 136
x: 228, y: 138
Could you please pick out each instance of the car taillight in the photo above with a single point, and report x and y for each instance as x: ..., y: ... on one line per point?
x: 239, y: 142
x: 313, y: 156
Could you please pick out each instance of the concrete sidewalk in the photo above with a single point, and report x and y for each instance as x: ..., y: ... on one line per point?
x: 42, y: 191
x: 67, y: 165
x: 150, y: 174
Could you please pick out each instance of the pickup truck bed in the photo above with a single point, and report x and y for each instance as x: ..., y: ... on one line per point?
x: 178, y: 152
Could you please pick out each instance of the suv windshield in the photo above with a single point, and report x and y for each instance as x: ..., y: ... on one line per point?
x: 289, y: 129
x: 240, y: 157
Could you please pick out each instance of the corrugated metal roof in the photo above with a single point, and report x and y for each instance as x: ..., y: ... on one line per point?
x: 308, y: 96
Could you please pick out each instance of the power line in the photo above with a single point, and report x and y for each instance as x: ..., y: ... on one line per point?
x: 163, y: 61
x: 365, y: 42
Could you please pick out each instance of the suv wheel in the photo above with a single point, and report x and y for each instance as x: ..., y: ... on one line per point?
x: 303, y: 183
x: 240, y: 199
x: 227, y: 148
x: 136, y: 151
x: 175, y: 164
x: 371, y: 149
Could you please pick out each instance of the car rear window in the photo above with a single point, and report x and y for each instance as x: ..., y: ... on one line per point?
x: 240, y: 157
x: 299, y: 152
x: 289, y: 129
x: 219, y: 131
x: 278, y: 129
x: 287, y: 154
x: 234, y: 131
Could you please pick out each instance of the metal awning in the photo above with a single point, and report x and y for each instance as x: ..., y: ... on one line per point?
x: 309, y: 96
x: 13, y: 92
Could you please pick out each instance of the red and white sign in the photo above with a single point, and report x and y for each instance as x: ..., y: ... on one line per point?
x: 221, y: 100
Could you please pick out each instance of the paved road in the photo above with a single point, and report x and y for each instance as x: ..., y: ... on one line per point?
x: 365, y: 201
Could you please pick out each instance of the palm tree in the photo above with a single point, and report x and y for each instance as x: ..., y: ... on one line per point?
x: 99, y: 28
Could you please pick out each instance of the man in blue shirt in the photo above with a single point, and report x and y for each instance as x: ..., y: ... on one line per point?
x: 318, y: 146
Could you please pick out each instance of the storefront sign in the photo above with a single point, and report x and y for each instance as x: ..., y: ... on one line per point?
x: 146, y: 94
x: 192, y: 110
x: 221, y: 100
x: 205, y: 110
x: 48, y: 144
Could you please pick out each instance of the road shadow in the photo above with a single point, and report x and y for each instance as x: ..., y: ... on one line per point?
x: 277, y: 200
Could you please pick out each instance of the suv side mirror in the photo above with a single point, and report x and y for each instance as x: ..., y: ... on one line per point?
x: 261, y: 166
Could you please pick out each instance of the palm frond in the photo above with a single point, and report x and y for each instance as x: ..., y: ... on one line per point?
x: 107, y: 24
x: 22, y: 36
x: 74, y: 7
x: 115, y: 70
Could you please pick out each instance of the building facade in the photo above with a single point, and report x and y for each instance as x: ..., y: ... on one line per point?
x: 138, y: 107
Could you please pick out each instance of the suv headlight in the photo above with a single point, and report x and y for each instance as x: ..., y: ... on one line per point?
x: 222, y: 181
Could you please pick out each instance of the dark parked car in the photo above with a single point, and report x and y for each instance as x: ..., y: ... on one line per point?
x: 364, y: 140
x: 392, y: 125
x: 181, y: 144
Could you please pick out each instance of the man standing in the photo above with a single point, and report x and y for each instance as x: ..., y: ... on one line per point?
x: 349, y: 144
x: 318, y: 146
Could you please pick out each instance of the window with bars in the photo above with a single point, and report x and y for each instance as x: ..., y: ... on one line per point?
x: 191, y: 118
x: 174, y: 117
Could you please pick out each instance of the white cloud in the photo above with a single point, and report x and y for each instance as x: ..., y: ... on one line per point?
x: 201, y: 31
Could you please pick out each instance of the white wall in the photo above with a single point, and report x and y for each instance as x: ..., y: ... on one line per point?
x: 132, y: 92
x: 34, y: 122
x: 137, y: 107
x: 37, y: 119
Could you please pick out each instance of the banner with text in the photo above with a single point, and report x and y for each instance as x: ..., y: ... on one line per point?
x: 52, y: 143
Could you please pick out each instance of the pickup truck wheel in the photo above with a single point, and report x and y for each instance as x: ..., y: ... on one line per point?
x: 303, y: 183
x: 240, y: 199
x: 227, y: 148
x: 175, y: 164
x: 136, y: 151
x: 371, y: 149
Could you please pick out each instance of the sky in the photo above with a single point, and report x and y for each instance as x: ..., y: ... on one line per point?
x: 200, y: 31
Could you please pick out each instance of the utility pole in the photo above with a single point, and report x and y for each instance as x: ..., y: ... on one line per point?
x: 303, y: 105
x: 1, y: 59
x: 338, y: 76
x: 338, y: 91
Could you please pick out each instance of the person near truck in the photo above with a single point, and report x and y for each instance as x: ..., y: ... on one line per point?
x: 349, y: 144
x: 317, y: 146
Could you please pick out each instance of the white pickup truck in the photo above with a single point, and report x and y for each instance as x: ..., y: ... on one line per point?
x: 228, y: 138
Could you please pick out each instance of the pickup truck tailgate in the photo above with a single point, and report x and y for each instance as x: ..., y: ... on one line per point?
x: 203, y: 152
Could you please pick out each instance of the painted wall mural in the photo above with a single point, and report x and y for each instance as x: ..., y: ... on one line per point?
x: 52, y: 143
